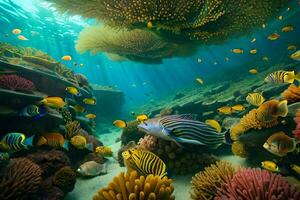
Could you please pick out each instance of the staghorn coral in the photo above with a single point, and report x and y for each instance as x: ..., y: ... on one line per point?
x: 257, y: 184
x: 239, y: 149
x: 292, y: 94
x: 296, y: 132
x: 123, y: 148
x: 21, y: 180
x: 148, y: 143
x: 206, y: 183
x: 65, y: 179
x: 131, y: 187
x: 15, y: 82
x: 137, y: 45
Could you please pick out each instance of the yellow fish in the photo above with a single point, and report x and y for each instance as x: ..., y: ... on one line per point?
x: 253, y: 71
x: 104, y: 150
x: 253, y: 51
x: 225, y: 110
x: 149, y: 25
x: 55, y: 102
x: 81, y: 65
x: 296, y: 168
x: 72, y: 90
x: 21, y: 37
x: 238, y: 107
x: 292, y: 47
x: 280, y: 17
x: 237, y: 51
x: 253, y: 40
x: 90, y: 116
x: 79, y: 108
x: 287, y: 28
x: 16, y: 31
x: 255, y: 99
x: 66, y: 58
x: 199, y: 80
x: 296, y: 55
x: 89, y: 101
x: 120, y: 123
x: 282, y: 76
x: 141, y: 118
x: 270, y: 165
x: 215, y: 124
x: 273, y: 36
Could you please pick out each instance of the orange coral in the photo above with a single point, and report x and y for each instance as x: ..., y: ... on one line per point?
x: 292, y: 94
x: 239, y: 149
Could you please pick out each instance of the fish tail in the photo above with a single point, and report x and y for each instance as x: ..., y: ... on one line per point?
x: 66, y: 145
x: 29, y: 141
x: 282, y: 109
x: 89, y: 146
x: 289, y: 77
x: 42, y: 140
x: 297, y: 77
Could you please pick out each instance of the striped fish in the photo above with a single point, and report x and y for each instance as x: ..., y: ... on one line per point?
x: 183, y: 129
x: 282, y: 76
x: 255, y: 99
x: 15, y: 142
x: 144, y: 162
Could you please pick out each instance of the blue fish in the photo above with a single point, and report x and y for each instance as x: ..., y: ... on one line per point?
x: 33, y: 111
x: 15, y: 142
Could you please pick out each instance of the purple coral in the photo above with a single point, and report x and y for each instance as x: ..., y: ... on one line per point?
x: 15, y: 82
x: 250, y: 184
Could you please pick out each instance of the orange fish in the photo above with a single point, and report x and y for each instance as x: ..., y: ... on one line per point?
x: 225, y: 110
x: 16, y: 31
x: 271, y: 110
x: 21, y: 37
x: 253, y: 71
x: 66, y: 58
x: 253, y: 51
x: 238, y: 107
x: 55, y: 140
x: 237, y: 51
x: 273, y: 36
x: 287, y: 28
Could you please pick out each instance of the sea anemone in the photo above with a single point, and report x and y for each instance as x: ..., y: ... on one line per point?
x: 206, y: 183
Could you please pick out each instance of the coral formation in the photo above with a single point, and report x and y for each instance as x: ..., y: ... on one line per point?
x: 257, y: 184
x: 296, y: 132
x: 41, y: 62
x: 21, y: 180
x: 92, y: 157
x: 131, y: 133
x: 292, y: 94
x: 15, y: 82
x: 206, y: 183
x: 239, y: 149
x: 123, y: 148
x: 148, y: 143
x: 72, y: 128
x: 131, y: 186
x: 65, y: 179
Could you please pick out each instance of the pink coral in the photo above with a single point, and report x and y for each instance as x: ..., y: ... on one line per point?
x: 260, y: 184
x: 15, y: 82
x: 148, y: 143
x: 296, y: 132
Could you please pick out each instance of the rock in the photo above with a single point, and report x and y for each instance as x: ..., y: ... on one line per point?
x: 270, y: 90
x: 218, y: 89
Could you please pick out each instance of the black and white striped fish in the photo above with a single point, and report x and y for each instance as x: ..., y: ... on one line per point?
x: 183, y: 129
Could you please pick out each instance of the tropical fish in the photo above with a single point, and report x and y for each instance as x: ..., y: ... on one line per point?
x: 270, y: 165
x: 282, y: 77
x: 75, y: 64
x: 238, y: 107
x: 215, y: 124
x: 280, y: 17
x: 253, y: 51
x: 141, y: 118
x: 215, y: 63
x: 81, y: 65
x: 273, y: 36
x: 120, y: 123
x: 226, y: 59
x: 79, y: 108
x: 265, y: 58
x: 253, y: 40
x: 253, y: 71
x: 104, y: 151
x: 73, y: 90
x: 55, y: 140
x: 199, y: 60
x: 296, y: 168
x: 287, y: 28
x: 89, y: 101
x: 149, y: 25
x: 66, y: 58
x: 183, y: 129
x: 237, y: 51
x: 255, y: 99
x: 292, y: 47
x: 90, y: 116
x: 132, y: 113
x: 33, y: 111
x: 22, y: 37
x: 199, y: 80
x: 16, y: 31
x: 15, y: 142
x: 144, y: 162
x: 55, y: 102
x: 225, y: 110
x: 263, y: 25
x: 80, y: 142
x: 92, y: 168
x: 280, y: 144
x: 296, y: 55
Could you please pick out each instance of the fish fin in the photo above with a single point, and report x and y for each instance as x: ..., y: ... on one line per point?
x: 42, y: 140
x: 29, y: 141
x: 290, y: 77
x: 66, y: 145
x: 282, y: 109
x: 42, y: 112
x: 297, y: 77
x: 89, y: 146
x: 227, y: 138
x: 179, y: 140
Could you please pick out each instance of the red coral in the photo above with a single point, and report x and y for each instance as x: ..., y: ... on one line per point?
x: 296, y: 132
x: 15, y: 82
x: 21, y: 180
x: 251, y: 184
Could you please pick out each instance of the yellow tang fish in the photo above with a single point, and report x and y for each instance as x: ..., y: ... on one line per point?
x: 282, y: 76
x: 225, y: 110
x: 296, y: 55
x: 280, y: 17
x: 144, y: 162
x: 16, y: 31
x: 55, y: 102
x: 270, y: 165
x: 89, y: 101
x: 296, y: 168
x: 66, y: 58
x: 237, y: 51
x: 72, y: 90
x: 215, y: 124
x: 120, y: 123
x: 273, y: 36
x: 90, y: 116
x: 292, y: 47
x: 22, y: 37
x: 287, y: 28
x: 79, y: 108
x: 141, y: 118
x: 253, y: 51
x: 253, y: 71
x: 81, y: 65
x: 255, y: 99
x: 199, y: 80
x: 238, y: 107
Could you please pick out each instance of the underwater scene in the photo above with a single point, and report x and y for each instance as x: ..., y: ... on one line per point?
x: 149, y: 99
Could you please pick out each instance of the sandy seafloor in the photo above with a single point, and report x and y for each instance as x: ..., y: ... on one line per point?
x: 85, y: 189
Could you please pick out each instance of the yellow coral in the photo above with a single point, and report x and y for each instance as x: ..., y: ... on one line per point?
x: 206, y: 183
x: 239, y: 149
x: 104, y: 150
x: 131, y: 187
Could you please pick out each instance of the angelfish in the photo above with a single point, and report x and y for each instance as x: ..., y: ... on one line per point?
x: 183, y: 129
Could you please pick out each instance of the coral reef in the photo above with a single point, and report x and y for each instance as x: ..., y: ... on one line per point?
x: 148, y: 143
x: 292, y: 94
x: 131, y: 133
x: 123, y: 148
x: 65, y: 179
x: 4, y: 159
x: 41, y: 62
x: 206, y: 183
x: 15, y: 82
x: 296, y: 132
x: 72, y: 129
x: 257, y: 184
x: 21, y: 180
x: 239, y: 149
x: 131, y: 186
x: 93, y: 157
